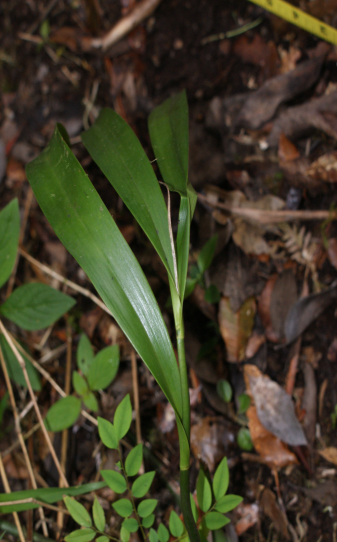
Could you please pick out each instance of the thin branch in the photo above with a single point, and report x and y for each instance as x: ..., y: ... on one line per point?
x: 31, y: 393
x: 8, y: 490
x: 65, y: 281
x: 141, y: 11
x: 19, y: 433
x: 270, y: 217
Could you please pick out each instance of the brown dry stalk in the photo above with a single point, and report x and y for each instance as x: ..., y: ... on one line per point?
x: 8, y: 490
x: 31, y: 393
x: 35, y: 501
x: 64, y: 443
x: 141, y: 11
x: 65, y: 281
x: 270, y: 217
x: 19, y: 434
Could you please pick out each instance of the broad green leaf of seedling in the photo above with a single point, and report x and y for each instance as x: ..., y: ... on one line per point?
x: 9, y: 239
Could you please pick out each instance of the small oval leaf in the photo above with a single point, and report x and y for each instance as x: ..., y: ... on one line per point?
x: 215, y: 520
x: 9, y: 238
x: 131, y: 524
x: 153, y: 537
x: 107, y: 433
x: 98, y: 515
x: 104, y: 368
x: 123, y: 417
x: 163, y: 533
x: 90, y: 401
x: 124, y: 534
x: 227, y: 503
x: 114, y: 480
x: 204, y: 493
x: 63, y: 414
x: 221, y: 479
x: 148, y: 521
x: 84, y: 354
x: 77, y: 512
x: 80, y: 384
x: 142, y: 484
x: 81, y: 535
x: 134, y: 460
x: 36, y: 306
x: 123, y: 507
x: 146, y: 507
x: 175, y: 524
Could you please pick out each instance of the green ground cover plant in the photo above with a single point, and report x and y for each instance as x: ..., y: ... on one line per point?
x: 95, y: 373
x: 82, y: 222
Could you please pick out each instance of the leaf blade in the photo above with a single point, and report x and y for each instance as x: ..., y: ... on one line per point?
x: 9, y: 238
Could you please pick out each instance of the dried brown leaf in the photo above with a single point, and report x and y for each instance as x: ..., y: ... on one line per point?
x: 330, y: 454
x: 287, y: 152
x: 236, y: 327
x: 274, y: 407
x: 271, y: 509
x: 210, y: 440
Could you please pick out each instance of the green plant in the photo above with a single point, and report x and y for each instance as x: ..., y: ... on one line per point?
x: 333, y: 417
x: 84, y: 225
x: 197, y: 272
x: 137, y: 511
x: 31, y: 306
x: 95, y: 373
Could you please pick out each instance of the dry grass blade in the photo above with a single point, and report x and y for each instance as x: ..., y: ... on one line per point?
x: 36, y: 501
x: 31, y: 393
x: 20, y: 438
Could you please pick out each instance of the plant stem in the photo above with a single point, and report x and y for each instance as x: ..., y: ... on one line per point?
x: 190, y: 524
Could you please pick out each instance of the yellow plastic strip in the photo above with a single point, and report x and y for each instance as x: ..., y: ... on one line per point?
x: 298, y: 17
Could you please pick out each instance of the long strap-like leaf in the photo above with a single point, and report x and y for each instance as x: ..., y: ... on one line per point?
x: 85, y: 227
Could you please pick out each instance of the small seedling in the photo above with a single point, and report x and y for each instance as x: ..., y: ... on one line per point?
x: 137, y: 512
x: 95, y: 373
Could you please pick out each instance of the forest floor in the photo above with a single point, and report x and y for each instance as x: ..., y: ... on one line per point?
x: 263, y: 141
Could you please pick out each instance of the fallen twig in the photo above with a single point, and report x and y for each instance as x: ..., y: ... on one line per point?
x: 141, y: 11
x: 270, y: 217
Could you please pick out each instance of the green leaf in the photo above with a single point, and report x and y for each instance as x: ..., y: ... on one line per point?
x: 206, y: 254
x: 134, y: 460
x: 104, y: 368
x: 3, y: 406
x: 146, y: 507
x: 123, y: 507
x: 102, y: 539
x: 148, y: 521
x: 124, y: 534
x: 80, y: 384
x: 244, y: 403
x: 212, y: 294
x: 183, y: 245
x: 35, y: 306
x: 175, y: 524
x: 153, y: 537
x: 194, y: 509
x: 9, y: 239
x: 48, y: 495
x: 227, y: 503
x: 163, y: 533
x: 142, y: 484
x: 215, y: 520
x: 204, y: 493
x: 131, y: 524
x: 117, y: 151
x: 115, y: 480
x: 86, y: 228
x: 63, y: 414
x: 221, y: 479
x: 14, y: 369
x: 77, y: 512
x: 244, y: 439
x: 84, y: 354
x: 90, y: 401
x: 190, y: 287
x: 98, y: 515
x: 123, y: 417
x: 219, y: 536
x: 224, y: 390
x: 81, y: 535
x: 107, y: 433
